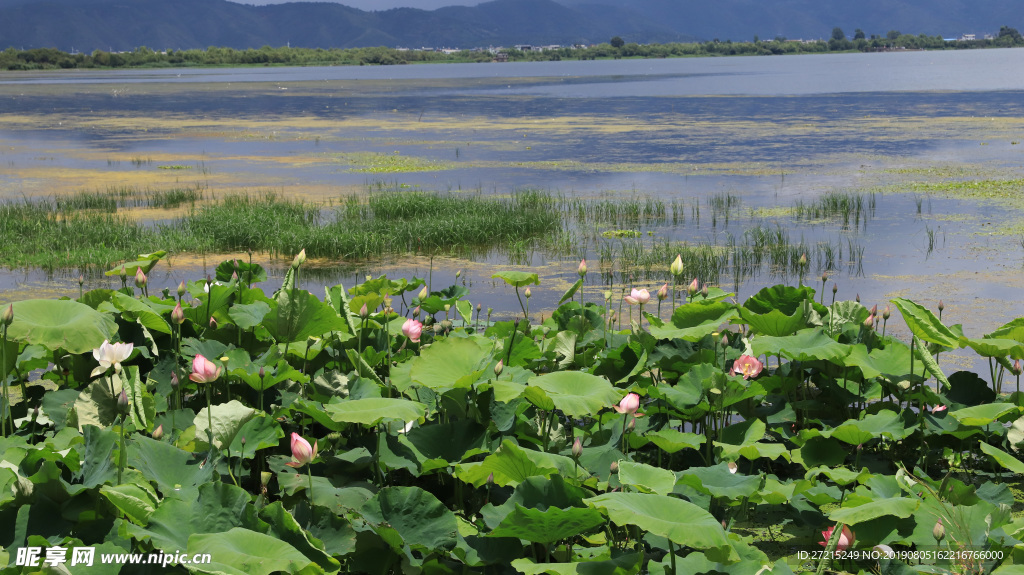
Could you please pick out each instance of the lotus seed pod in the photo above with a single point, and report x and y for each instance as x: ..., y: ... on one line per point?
x: 677, y: 266
x: 265, y: 477
x: 438, y: 328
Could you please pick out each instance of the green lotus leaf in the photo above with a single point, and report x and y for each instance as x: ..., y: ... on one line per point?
x: 415, y: 516
x: 300, y: 315
x: 517, y: 279
x: 648, y: 478
x: 146, y: 262
x: 901, y: 507
x: 250, y: 315
x: 60, y: 324
x: 679, y: 521
x: 536, y: 493
x: 228, y: 419
x: 137, y: 502
x: 671, y: 440
x: 511, y: 465
x: 996, y: 347
x: 695, y: 320
x: 454, y: 362
x: 1012, y: 330
x: 177, y: 472
x: 575, y: 393
x: 923, y: 323
x: 805, y: 345
x: 982, y: 415
x: 719, y: 481
x: 373, y: 410
x: 240, y: 551
x: 550, y: 525
x: 1003, y: 458
x: 627, y: 564
x: 873, y: 426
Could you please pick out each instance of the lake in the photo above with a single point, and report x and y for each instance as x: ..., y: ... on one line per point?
x: 929, y: 139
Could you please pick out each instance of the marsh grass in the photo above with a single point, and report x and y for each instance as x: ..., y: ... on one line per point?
x: 85, y: 232
x: 849, y: 209
x: 113, y: 198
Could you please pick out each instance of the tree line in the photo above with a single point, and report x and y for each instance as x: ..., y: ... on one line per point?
x: 52, y: 58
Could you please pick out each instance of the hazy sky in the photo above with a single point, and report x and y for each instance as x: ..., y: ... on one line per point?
x: 381, y: 4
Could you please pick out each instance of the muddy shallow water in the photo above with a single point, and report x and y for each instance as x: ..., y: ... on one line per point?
x: 769, y: 132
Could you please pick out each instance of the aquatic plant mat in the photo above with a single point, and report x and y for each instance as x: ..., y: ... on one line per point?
x: 385, y: 426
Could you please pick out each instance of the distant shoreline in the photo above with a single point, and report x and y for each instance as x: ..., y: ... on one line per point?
x: 141, y: 58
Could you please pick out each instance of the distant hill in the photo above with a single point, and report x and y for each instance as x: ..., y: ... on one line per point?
x: 117, y: 25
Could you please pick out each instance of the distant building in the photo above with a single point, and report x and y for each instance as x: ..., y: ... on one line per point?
x: 967, y: 38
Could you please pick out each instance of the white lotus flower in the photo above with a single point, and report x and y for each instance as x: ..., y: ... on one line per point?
x: 111, y: 354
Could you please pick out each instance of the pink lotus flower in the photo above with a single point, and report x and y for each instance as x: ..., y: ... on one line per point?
x: 663, y: 292
x: 747, y: 366
x: 302, y: 452
x: 846, y: 538
x: 111, y: 354
x: 939, y: 408
x: 204, y: 370
x: 629, y: 405
x: 582, y: 269
x: 638, y: 296
x: 412, y: 330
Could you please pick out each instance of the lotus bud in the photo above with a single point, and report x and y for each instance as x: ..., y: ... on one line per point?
x: 363, y: 312
x: 857, y: 298
x: 803, y: 260
x: 868, y: 323
x: 123, y: 274
x: 122, y: 402
x: 835, y: 288
x: 527, y: 293
x: 577, y: 448
x: 490, y: 479
x: 478, y: 308
x: 725, y: 525
x: 886, y: 313
x: 581, y: 270
x: 416, y: 312
x: 704, y: 291
x: 692, y: 288
x: 262, y: 373
x: 458, y: 274
x: 209, y: 282
x: 174, y: 380
x: 158, y: 433
x: 663, y: 292
x: 677, y: 266
x: 824, y: 277
x: 300, y: 258
x: 213, y: 323
x: 424, y: 294
x: 614, y: 467
x: 447, y: 307
x: 632, y: 424
x: 942, y: 306
x: 939, y: 531
x: 178, y: 314
x: 81, y: 280
x: 234, y: 276
x: 265, y: 477
x: 8, y: 315
x: 181, y: 288
x: 874, y: 310
x: 1016, y: 368
x: 243, y: 441
x: 499, y: 367
x: 725, y: 340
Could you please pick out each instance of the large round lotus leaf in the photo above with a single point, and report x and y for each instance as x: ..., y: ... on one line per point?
x: 60, y: 324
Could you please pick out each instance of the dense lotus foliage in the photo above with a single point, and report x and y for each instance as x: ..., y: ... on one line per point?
x: 392, y: 428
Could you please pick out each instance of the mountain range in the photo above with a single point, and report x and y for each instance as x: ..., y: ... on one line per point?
x: 118, y: 25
